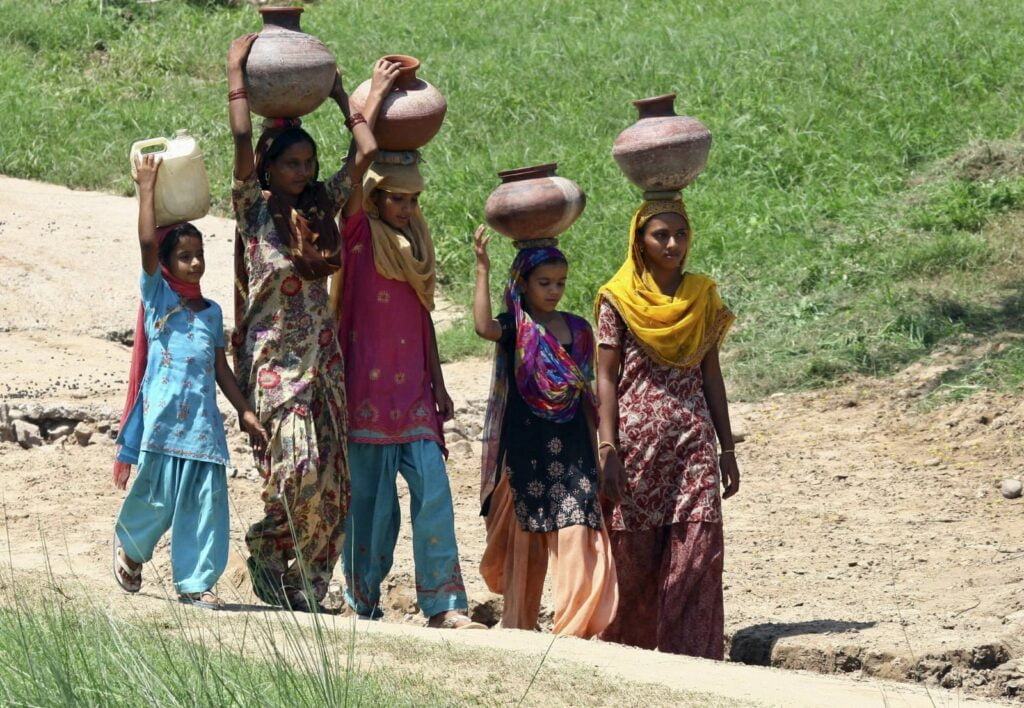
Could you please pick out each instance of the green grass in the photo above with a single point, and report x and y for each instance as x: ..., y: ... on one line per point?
x: 54, y: 652
x: 58, y: 648
x: 853, y: 173
x: 460, y: 341
x: 1001, y: 370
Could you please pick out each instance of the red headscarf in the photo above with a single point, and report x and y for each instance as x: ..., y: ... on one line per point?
x: 140, y: 352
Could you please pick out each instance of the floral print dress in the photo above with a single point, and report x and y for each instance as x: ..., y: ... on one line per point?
x: 290, y: 367
x: 666, y: 440
x: 551, y: 466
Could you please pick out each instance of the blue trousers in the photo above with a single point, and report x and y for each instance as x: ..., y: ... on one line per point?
x: 188, y: 497
x: 374, y: 517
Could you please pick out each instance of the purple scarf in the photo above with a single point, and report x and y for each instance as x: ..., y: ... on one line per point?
x: 551, y: 380
x: 548, y: 377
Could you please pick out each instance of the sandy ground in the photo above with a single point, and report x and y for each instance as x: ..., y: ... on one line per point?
x: 869, y: 537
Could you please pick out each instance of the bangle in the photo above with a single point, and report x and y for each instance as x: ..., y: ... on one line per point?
x: 726, y: 452
x: 235, y: 94
x: 354, y: 120
x: 607, y: 444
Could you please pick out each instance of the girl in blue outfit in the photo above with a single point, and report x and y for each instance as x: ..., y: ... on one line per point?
x: 174, y: 433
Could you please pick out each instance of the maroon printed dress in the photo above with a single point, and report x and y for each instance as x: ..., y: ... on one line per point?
x: 666, y: 532
x: 667, y: 442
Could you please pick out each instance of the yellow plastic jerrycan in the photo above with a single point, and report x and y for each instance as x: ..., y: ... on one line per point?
x: 182, y: 191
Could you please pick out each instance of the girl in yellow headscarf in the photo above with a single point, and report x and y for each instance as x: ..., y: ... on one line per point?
x: 662, y: 405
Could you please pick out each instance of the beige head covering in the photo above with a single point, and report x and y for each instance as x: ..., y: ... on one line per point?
x: 401, y: 254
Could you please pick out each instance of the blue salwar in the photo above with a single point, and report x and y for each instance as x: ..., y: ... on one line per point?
x: 374, y: 517
x: 189, y: 497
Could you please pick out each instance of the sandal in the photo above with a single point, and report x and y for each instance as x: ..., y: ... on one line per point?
x: 205, y: 599
x: 130, y: 579
x: 456, y: 621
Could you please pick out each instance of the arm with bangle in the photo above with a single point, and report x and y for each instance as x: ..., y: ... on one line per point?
x: 718, y: 407
x: 238, y: 106
x: 363, y: 149
x: 613, y: 474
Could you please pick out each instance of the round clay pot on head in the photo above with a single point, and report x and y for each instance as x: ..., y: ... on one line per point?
x: 288, y: 73
x: 662, y: 151
x: 534, y: 203
x: 411, y: 114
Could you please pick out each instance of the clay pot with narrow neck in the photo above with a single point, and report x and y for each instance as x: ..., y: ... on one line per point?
x: 411, y: 114
x: 534, y: 203
x: 662, y: 151
x: 288, y: 73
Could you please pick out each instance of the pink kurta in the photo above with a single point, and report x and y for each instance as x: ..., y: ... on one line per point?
x: 385, y: 335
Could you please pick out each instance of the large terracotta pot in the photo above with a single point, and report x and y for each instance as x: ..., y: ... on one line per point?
x: 662, y: 151
x: 411, y: 114
x: 534, y: 203
x: 289, y: 73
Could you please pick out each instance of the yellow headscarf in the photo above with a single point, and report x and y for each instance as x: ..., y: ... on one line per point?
x: 676, y: 330
x: 406, y: 254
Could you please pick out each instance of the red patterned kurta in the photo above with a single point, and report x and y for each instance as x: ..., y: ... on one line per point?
x: 666, y: 533
x: 667, y: 442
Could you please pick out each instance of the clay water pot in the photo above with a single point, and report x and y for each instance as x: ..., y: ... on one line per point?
x: 289, y: 73
x: 662, y: 151
x: 534, y: 203
x: 411, y: 114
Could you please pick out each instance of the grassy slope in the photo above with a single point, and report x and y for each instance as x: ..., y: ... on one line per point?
x: 837, y: 232
x: 58, y: 647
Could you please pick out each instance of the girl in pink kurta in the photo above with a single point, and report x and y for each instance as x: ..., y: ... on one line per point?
x: 397, y: 399
x: 662, y: 406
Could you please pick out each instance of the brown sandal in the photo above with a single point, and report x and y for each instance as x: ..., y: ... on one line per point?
x: 457, y: 621
x: 205, y: 599
x: 130, y: 579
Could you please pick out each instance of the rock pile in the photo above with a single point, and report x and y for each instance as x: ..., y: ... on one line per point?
x: 33, y: 425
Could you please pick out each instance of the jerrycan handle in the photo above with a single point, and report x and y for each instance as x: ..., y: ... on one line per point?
x: 140, y: 145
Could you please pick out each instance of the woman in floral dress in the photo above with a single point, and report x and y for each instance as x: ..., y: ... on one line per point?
x: 662, y: 404
x: 289, y: 363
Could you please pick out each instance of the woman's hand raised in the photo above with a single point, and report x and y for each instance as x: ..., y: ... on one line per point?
x: 146, y: 169
x: 238, y: 53
x: 383, y: 78
x: 480, y: 241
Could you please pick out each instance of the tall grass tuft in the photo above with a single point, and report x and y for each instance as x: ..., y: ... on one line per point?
x: 58, y: 647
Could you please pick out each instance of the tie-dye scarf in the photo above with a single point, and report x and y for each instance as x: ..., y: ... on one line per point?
x: 551, y: 380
